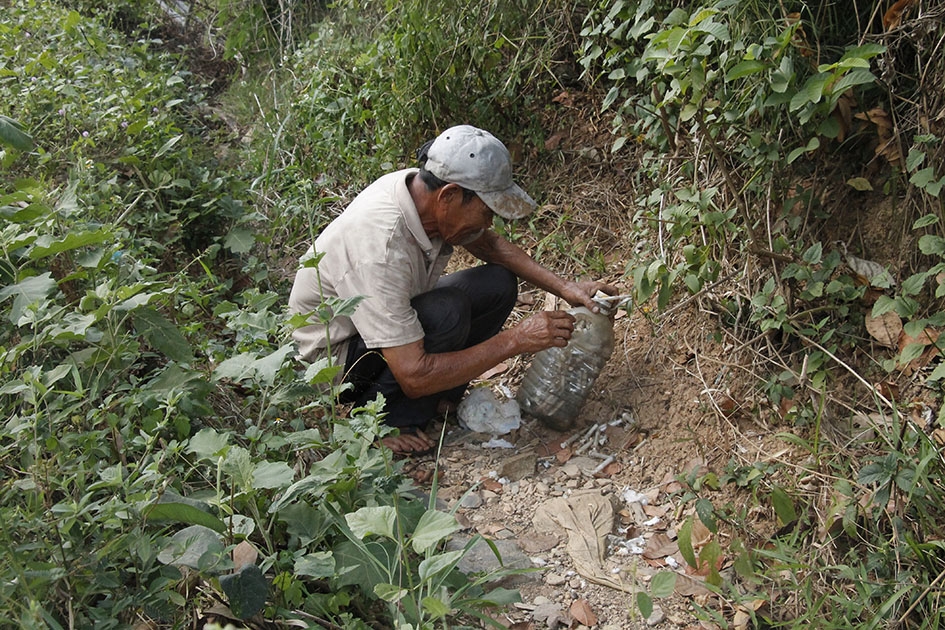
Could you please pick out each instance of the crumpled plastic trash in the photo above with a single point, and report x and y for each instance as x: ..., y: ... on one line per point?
x: 482, y: 412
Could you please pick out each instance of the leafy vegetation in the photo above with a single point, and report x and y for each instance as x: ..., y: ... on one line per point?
x: 161, y: 449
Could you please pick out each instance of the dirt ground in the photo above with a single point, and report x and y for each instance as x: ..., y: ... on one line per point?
x: 651, y: 420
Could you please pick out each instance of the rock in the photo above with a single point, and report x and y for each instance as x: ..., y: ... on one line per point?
x: 656, y: 617
x: 481, y: 559
x: 482, y: 412
x: 545, y: 611
x: 471, y: 501
x: 519, y: 466
x: 555, y: 579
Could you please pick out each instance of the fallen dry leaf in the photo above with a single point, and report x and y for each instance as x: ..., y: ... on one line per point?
x: 688, y: 586
x: 555, y: 140
x: 490, y: 484
x: 893, y: 17
x: 660, y: 546
x: 244, y: 554
x: 565, y: 98
x: 563, y: 455
x: 885, y: 329
x: 499, y: 369
x: 582, y: 613
x: 611, y: 469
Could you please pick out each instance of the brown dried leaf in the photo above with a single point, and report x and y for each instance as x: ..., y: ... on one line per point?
x: 555, y: 140
x: 563, y: 455
x: 244, y: 554
x: 885, y: 329
x: 582, y: 613
x: 565, y: 98
x: 499, y: 369
x: 660, y: 546
x: 893, y: 17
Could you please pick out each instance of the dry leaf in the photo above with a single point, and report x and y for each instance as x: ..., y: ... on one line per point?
x: 611, y: 469
x: 700, y: 534
x: 582, y: 613
x: 869, y: 272
x: 555, y: 140
x: 565, y: 98
x: 563, y: 455
x: 660, y: 546
x: 499, y: 369
x: 893, y: 17
x: 689, y: 586
x: 939, y: 436
x: 244, y: 554
x: 885, y: 329
x: 490, y: 484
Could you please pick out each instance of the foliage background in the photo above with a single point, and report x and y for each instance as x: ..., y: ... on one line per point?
x: 162, y: 171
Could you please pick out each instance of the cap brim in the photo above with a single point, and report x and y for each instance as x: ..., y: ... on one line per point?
x: 511, y: 203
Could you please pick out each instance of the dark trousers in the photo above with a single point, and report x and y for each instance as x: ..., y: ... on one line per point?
x: 463, y: 309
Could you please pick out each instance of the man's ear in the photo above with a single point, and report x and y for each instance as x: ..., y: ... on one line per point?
x: 448, y: 193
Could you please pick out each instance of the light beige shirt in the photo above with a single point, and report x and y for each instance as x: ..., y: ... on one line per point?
x: 376, y: 249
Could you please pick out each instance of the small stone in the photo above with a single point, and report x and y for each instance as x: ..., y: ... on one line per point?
x: 555, y: 579
x: 538, y: 600
x: 656, y: 617
x: 519, y: 466
x: 542, y: 488
x: 471, y: 501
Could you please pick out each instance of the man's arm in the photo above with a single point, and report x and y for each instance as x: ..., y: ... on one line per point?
x: 420, y: 373
x: 492, y: 248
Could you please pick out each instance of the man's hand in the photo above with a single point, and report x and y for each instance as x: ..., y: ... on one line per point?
x: 580, y: 293
x: 543, y: 330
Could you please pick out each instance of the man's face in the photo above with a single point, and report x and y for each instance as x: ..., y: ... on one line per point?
x: 462, y: 223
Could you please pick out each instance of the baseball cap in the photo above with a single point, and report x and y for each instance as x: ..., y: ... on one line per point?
x: 478, y: 161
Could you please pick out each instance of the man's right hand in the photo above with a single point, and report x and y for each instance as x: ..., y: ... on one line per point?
x: 544, y: 330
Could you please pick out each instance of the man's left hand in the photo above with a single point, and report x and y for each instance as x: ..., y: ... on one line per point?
x: 580, y: 293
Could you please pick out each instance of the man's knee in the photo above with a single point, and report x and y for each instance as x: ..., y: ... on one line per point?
x: 445, y: 314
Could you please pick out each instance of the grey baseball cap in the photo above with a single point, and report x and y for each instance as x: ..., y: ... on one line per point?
x: 478, y: 161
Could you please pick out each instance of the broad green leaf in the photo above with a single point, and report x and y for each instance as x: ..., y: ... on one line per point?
x: 433, y: 527
x: 502, y: 596
x: 915, y: 159
x: 390, y: 592
x: 372, y: 520
x: 167, y: 146
x: 911, y: 352
x: 783, y: 505
x: 937, y: 374
x: 932, y: 244
x: 246, y: 591
x: 320, y: 564
x: 197, y: 547
x: 814, y: 254
x: 208, y: 444
x: 240, y: 240
x: 162, y: 335
x: 439, y: 563
x: 644, y: 604
x: 812, y: 144
x: 927, y: 220
x: 272, y: 475
x: 436, y: 607
x: 13, y: 135
x: 684, y: 539
x: 923, y: 177
x: 859, y: 183
x: 46, y: 246
x: 28, y: 291
x: 706, y: 513
x: 744, y: 69
x: 663, y: 584
x: 173, y: 507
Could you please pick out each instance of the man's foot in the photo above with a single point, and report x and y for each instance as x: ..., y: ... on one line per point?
x: 410, y: 442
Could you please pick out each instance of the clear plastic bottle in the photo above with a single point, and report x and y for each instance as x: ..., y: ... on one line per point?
x: 559, y: 380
